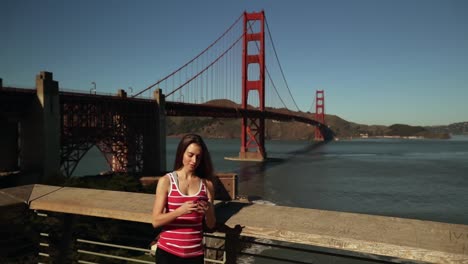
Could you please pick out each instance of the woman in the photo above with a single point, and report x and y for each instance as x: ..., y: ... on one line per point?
x: 184, y: 199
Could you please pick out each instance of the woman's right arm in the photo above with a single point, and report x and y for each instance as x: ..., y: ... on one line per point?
x: 160, y: 216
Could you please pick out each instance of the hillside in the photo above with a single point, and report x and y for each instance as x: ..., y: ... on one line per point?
x: 230, y: 128
x: 460, y: 128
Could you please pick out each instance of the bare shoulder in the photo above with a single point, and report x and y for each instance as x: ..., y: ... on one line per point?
x: 209, y: 184
x: 207, y: 181
x: 163, y: 183
x: 165, y: 179
x: 210, y: 188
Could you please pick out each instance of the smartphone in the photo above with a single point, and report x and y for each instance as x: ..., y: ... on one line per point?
x: 202, y: 199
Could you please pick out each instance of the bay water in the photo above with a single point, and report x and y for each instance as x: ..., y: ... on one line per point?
x: 418, y: 178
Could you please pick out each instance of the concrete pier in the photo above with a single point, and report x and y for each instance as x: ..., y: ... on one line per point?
x: 155, y: 154
x: 40, y: 131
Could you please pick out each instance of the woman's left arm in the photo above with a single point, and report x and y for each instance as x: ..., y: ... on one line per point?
x: 210, y: 217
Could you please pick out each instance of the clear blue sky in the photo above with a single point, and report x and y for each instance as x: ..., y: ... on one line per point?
x: 379, y: 62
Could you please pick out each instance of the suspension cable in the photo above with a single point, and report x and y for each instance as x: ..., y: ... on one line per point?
x: 196, y: 57
x: 311, y: 109
x: 281, y: 68
x: 211, y: 64
x: 274, y: 86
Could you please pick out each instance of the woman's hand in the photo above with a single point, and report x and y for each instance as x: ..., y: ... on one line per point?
x: 203, y: 206
x: 187, y: 208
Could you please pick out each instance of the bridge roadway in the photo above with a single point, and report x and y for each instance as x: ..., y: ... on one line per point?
x: 14, y: 101
x: 376, y: 237
x: 185, y: 109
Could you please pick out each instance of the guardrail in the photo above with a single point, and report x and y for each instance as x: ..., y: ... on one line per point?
x: 57, y: 246
x: 98, y: 226
x: 110, y: 241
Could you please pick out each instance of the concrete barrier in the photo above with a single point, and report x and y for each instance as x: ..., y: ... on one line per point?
x: 377, y: 236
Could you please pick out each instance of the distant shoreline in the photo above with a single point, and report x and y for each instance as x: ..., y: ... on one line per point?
x: 395, y: 137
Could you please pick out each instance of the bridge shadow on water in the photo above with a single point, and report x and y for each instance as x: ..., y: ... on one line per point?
x: 261, y: 166
x: 251, y: 175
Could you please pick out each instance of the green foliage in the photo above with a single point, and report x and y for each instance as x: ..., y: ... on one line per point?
x: 405, y: 130
x: 115, y: 182
x: 19, y: 235
x: 180, y: 125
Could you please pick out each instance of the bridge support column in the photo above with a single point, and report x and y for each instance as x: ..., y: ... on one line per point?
x: 319, y: 113
x: 253, y: 128
x: 124, y: 145
x: 154, y: 139
x: 40, y: 131
x: 9, y: 142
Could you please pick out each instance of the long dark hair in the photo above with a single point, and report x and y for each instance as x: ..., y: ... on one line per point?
x: 205, y: 167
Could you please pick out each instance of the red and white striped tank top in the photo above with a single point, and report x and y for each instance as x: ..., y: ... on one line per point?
x: 183, y: 237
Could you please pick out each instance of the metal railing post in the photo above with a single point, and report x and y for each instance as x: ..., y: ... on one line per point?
x: 65, y: 246
x: 232, y: 244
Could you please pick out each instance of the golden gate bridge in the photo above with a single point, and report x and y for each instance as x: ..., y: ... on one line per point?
x: 234, y: 67
x: 228, y: 79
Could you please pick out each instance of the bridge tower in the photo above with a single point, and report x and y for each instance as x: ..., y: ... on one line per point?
x: 253, y: 128
x: 319, y: 113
